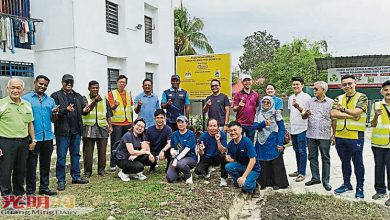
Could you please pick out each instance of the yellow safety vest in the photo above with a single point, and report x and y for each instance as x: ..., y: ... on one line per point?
x: 90, y: 119
x: 121, y: 113
x: 348, y: 128
x: 381, y: 133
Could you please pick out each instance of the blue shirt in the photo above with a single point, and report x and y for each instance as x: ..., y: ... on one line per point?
x: 242, y: 152
x: 186, y: 140
x: 211, y: 148
x: 149, y: 106
x: 269, y: 150
x: 158, y: 138
x: 42, y: 111
x: 164, y: 97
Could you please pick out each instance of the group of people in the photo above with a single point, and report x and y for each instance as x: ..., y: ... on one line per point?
x: 161, y: 132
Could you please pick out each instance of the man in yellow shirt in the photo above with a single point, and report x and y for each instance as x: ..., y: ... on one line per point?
x: 349, y: 110
x: 380, y: 142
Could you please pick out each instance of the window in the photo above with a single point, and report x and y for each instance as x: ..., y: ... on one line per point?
x: 148, y: 30
x: 111, y: 18
x: 113, y: 75
x: 149, y: 76
x: 10, y: 68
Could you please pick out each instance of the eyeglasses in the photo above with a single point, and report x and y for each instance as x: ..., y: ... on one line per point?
x: 266, y: 102
x: 347, y: 84
x: 68, y: 81
x: 215, y: 85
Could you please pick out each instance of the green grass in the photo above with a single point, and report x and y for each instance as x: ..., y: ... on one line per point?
x: 314, y: 206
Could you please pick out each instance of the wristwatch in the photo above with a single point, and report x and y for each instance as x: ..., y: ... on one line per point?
x: 33, y: 140
x: 342, y: 110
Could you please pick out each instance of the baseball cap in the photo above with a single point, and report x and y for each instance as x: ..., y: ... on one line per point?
x: 182, y: 118
x: 245, y: 76
x: 175, y: 77
x: 67, y: 77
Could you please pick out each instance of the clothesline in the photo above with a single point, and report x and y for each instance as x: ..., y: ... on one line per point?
x: 14, y: 16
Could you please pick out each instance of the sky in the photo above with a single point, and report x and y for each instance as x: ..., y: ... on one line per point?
x: 350, y: 27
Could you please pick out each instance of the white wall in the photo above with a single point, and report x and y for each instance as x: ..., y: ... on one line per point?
x: 73, y: 40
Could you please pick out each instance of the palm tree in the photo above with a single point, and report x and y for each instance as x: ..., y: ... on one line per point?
x: 188, y: 35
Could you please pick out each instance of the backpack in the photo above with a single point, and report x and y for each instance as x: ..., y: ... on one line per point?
x: 116, y: 148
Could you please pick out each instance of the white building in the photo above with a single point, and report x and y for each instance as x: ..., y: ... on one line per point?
x: 99, y: 39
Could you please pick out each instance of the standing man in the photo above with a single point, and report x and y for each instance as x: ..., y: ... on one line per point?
x: 218, y: 105
x: 158, y: 137
x: 245, y: 104
x: 121, y: 104
x: 212, y: 148
x: 45, y: 110
x: 67, y: 129
x: 97, y: 127
x: 319, y: 133
x: 296, y: 104
x: 241, y: 157
x: 16, y: 118
x: 146, y: 103
x: 350, y: 111
x: 380, y: 142
x: 176, y: 101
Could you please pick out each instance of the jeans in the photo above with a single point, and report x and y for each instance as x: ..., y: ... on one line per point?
x: 117, y: 133
x: 13, y: 165
x: 43, y: 150
x: 63, y: 144
x: 235, y: 170
x: 184, y: 165
x: 299, y: 145
x: 206, y: 162
x: 348, y: 149
x: 382, y: 162
x: 324, y: 147
x: 249, y: 132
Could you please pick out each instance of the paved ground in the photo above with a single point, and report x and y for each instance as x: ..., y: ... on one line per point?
x: 336, y: 178
x: 251, y: 208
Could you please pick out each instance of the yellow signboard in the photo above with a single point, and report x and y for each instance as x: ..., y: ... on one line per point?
x: 197, y: 71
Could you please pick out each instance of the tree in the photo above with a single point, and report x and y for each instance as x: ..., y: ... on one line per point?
x: 258, y: 48
x: 293, y: 59
x: 188, y: 33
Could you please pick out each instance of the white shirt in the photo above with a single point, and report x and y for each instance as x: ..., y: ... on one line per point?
x: 297, y: 124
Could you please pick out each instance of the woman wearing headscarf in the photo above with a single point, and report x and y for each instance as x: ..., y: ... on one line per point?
x: 269, y: 145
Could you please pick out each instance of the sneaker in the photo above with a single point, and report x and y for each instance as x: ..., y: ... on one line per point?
x: 387, y: 202
x: 378, y: 196
x: 124, y: 177
x: 140, y: 176
x: 189, y: 180
x: 300, y: 178
x: 294, y: 174
x: 47, y: 192
x: 223, y: 182
x: 207, y: 176
x: 359, y: 193
x: 327, y: 186
x: 112, y: 169
x: 61, y: 186
x: 342, y: 189
x: 80, y: 181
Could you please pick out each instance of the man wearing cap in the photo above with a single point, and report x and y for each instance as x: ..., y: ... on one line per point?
x: 380, y: 142
x: 176, y: 101
x: 121, y: 103
x: 44, y: 109
x: 67, y: 129
x: 245, y: 104
x: 16, y: 118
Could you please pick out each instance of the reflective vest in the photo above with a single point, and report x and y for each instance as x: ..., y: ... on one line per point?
x: 348, y: 128
x: 100, y: 110
x: 381, y: 133
x: 121, y: 113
